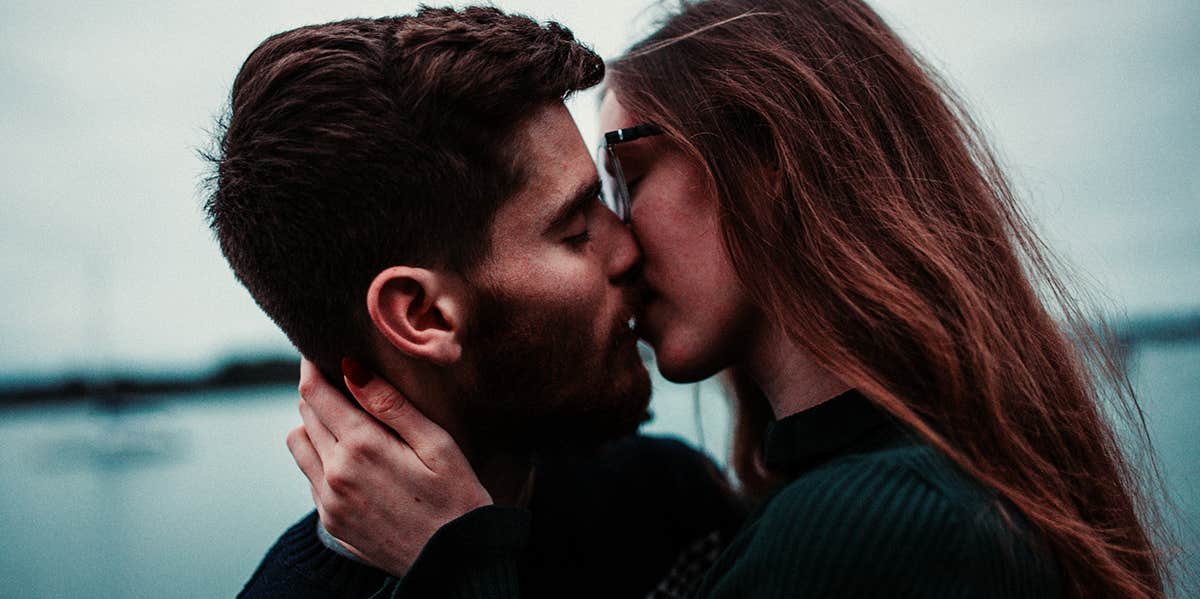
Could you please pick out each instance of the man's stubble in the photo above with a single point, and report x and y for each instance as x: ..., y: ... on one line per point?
x: 540, y: 380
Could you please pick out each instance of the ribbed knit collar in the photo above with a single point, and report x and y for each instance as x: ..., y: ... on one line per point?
x: 824, y: 430
x: 303, y: 551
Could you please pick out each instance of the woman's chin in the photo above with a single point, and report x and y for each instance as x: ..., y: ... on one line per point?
x: 680, y: 366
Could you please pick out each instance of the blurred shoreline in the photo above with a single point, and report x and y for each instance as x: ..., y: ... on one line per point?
x: 117, y: 389
x: 120, y: 388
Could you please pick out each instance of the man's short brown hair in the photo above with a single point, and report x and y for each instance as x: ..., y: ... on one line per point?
x: 357, y: 145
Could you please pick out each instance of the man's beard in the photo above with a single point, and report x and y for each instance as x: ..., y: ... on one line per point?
x: 543, y: 382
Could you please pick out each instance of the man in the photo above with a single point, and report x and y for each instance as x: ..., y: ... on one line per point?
x: 411, y: 194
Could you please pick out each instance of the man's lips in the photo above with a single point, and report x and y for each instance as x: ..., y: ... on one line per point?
x: 629, y: 320
x: 642, y: 321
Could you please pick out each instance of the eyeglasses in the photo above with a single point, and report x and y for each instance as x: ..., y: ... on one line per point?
x: 613, y: 190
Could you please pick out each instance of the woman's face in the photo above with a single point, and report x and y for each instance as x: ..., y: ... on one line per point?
x: 696, y: 315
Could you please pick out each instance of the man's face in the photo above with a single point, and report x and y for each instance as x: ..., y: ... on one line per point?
x: 553, y: 359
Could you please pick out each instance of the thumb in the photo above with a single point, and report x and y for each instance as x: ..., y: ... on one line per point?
x: 388, y: 405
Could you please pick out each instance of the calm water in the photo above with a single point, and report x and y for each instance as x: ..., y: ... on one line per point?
x: 182, y: 498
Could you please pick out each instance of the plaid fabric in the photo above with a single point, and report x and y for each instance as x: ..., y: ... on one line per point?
x: 685, y: 576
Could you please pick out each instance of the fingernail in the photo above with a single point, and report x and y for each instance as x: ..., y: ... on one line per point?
x: 358, y: 374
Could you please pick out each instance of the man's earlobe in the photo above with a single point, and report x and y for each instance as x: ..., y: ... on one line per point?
x: 419, y: 312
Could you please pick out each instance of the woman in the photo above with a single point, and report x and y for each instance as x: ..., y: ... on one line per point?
x: 878, y: 300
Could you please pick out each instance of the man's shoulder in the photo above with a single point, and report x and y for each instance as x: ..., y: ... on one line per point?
x: 652, y: 508
x: 641, y: 465
x: 655, y: 453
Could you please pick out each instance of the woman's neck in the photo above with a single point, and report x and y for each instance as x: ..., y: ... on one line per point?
x: 788, y: 375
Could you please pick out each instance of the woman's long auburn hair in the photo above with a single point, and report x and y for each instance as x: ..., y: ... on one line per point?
x: 890, y: 246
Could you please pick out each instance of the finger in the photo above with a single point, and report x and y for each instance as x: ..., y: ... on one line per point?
x: 390, y: 407
x: 333, y: 409
x: 316, y: 499
x: 323, y: 440
x: 306, y: 457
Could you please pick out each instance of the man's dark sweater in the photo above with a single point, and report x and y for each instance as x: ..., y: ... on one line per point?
x: 617, y: 524
x: 869, y: 511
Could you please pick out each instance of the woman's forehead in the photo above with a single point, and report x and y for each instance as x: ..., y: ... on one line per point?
x: 613, y: 114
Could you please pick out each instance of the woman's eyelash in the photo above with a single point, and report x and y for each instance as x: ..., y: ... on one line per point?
x: 631, y: 184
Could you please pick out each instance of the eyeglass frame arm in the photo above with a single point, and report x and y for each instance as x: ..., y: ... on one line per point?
x: 631, y: 133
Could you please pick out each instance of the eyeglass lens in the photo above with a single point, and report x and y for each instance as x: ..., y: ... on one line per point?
x: 612, y: 182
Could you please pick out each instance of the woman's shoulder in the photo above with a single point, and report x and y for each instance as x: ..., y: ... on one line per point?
x: 910, y: 488
x: 897, y: 472
x: 905, y: 516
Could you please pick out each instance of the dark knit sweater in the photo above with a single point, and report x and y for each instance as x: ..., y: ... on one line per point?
x: 613, y: 524
x: 870, y: 511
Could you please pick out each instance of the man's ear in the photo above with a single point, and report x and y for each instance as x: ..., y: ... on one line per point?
x: 420, y: 312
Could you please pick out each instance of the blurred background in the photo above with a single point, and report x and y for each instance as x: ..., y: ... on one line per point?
x: 144, y: 398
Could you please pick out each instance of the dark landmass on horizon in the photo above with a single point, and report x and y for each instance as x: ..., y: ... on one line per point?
x: 118, y: 390
x: 127, y: 388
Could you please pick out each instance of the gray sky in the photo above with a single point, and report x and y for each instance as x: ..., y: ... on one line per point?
x: 106, y: 260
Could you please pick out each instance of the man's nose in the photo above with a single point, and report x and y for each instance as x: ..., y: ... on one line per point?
x: 624, y: 254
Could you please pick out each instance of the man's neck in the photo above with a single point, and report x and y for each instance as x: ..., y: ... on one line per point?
x: 507, y: 476
x: 789, y: 375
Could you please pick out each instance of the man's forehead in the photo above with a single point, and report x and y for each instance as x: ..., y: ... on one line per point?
x: 557, y: 165
x: 556, y: 162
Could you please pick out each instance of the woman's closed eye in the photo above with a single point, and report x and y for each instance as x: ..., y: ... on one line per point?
x: 631, y: 187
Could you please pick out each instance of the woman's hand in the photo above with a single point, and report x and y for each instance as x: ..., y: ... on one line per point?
x: 381, y: 493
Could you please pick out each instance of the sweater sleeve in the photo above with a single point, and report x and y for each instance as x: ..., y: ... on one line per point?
x: 879, y: 528
x: 300, y: 566
x: 475, y: 556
